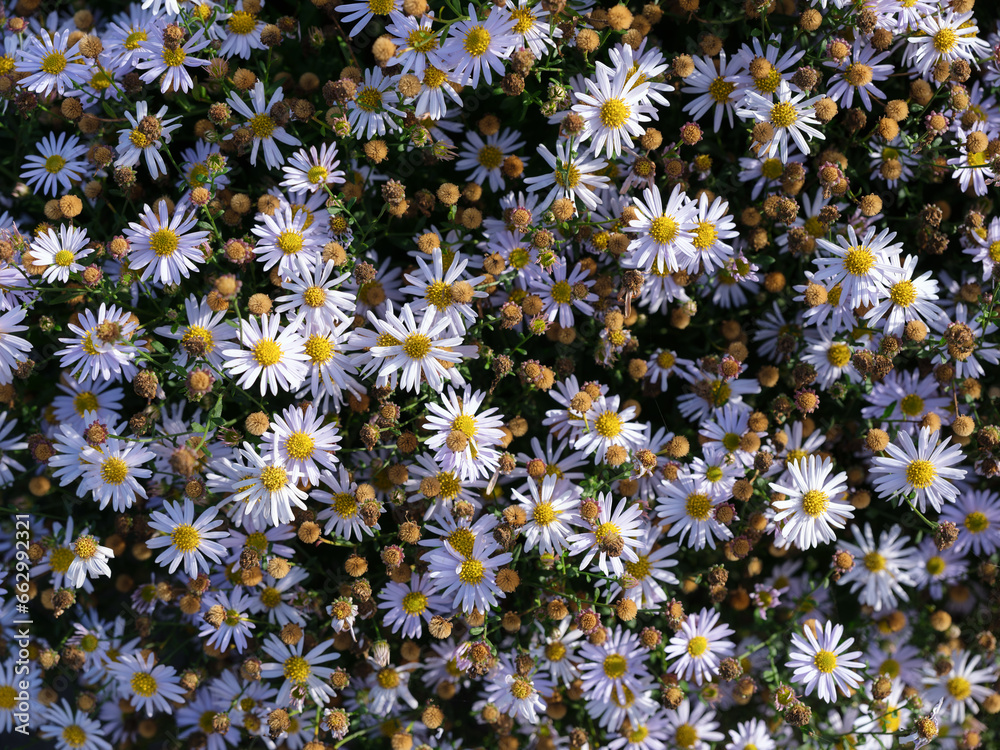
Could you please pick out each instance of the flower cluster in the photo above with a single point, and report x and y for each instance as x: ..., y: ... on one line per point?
x: 528, y: 374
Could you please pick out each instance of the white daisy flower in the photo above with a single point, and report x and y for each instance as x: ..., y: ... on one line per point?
x: 301, y: 670
x: 485, y: 159
x: 418, y: 47
x: 51, y: 64
x: 573, y: 176
x: 203, y: 336
x: 477, y: 48
x: 112, y: 473
x: 812, y: 507
x: 410, y: 605
x: 470, y: 579
x: 440, y: 489
x: 72, y: 729
x: 924, y: 469
x: 615, y: 668
x: 61, y: 252
x: 831, y: 358
x: 749, y: 735
x: 555, y: 650
x: 186, y: 540
x: 302, y: 441
x: 665, y: 234
x: 710, y: 226
x: 145, y: 138
x: 164, y: 246
x: 330, y: 370
x: 614, y: 537
x: 12, y: 347
x: 605, y: 426
x: 266, y: 488
x: 938, y: 569
x: 275, y: 355
x: 715, y: 89
x: 58, y: 165
x: 551, y: 512
x: 311, y: 171
x: 977, y: 514
x: 614, y: 109
x: 389, y: 684
x: 948, y: 36
x: 241, y: 33
x: 266, y: 132
x: 859, y: 267
x: 907, y: 299
x: 369, y: 113
x: 791, y: 116
x: 822, y: 662
x: 363, y: 11
x: 562, y: 289
x: 686, y: 505
x: 963, y: 687
x: 911, y: 397
x: 90, y: 560
x: 692, y: 727
x: 172, y: 64
x: 643, y: 579
x: 464, y: 436
x: 235, y: 627
x: 342, y: 512
x: 857, y: 73
x: 699, y: 646
x: 518, y: 695
x: 436, y: 293
x: 881, y: 569
x: 148, y: 686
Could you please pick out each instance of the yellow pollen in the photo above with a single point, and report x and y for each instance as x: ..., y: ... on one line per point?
x: 89, y: 643
x: 825, y: 661
x: 477, y: 41
x: 783, y: 114
x: 490, y: 157
x: 721, y: 393
x: 461, y: 540
x: 74, y: 736
x: 525, y: 20
x: 686, y: 736
x: 638, y: 570
x: 314, y: 296
x: 433, y: 78
x: 838, y: 355
x: 138, y: 139
x: 85, y: 547
x: 714, y: 474
x: 912, y: 405
x: 768, y: 84
x: 438, y: 294
x: 608, y: 425
x: 889, y: 667
x: 521, y: 688
x: 903, y: 293
x: 290, y: 241
x: 416, y: 346
x: 54, y: 164
x: 562, y: 292
x: 319, y: 349
x: 273, y: 478
x: 61, y: 558
x: 959, y: 688
x: 143, y: 684
x: 54, y: 63
x: 772, y: 169
x: 935, y: 566
x: 945, y: 40
x: 450, y: 486
x: 299, y: 445
x: 605, y: 530
x: 317, y: 175
x: 471, y: 572
x: 977, y: 159
x: 414, y: 603
x: 266, y: 352
x: 262, y: 126
x: 133, y: 40
x: 665, y: 360
x: 185, y: 538
x: 615, y: 665
x: 114, y: 471
x: 720, y: 89
x: 730, y: 441
x: 422, y: 40
x: 697, y: 645
x: 614, y: 113
x: 920, y: 473
x: 859, y: 260
x: 174, y: 57
x: 698, y: 506
x: 663, y: 229
x: 555, y: 651
x: 388, y: 678
x: 163, y: 242
x: 296, y: 669
x: 568, y: 177
x: 241, y: 23
x: 543, y: 514
x: 64, y: 258
x: 704, y: 235
x: 345, y: 505
x: 977, y: 522
x: 874, y: 562
x: 814, y: 503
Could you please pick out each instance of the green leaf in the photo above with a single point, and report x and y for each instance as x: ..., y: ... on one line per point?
x: 888, y: 411
x: 475, y: 631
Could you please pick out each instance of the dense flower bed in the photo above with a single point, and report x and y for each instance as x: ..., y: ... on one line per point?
x: 511, y: 375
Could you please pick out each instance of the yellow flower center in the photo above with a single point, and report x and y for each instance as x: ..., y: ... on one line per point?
x: 64, y: 258
x: 185, y: 538
x: 562, y: 292
x: 814, y: 503
x: 297, y: 669
x: 720, y: 90
x: 85, y: 547
x: 490, y: 157
x: 568, y: 177
x: 859, y: 260
x: 262, y: 126
x: 977, y: 522
x: 698, y: 506
x: 174, y: 57
x: 471, y: 572
x: 133, y: 40
x: 772, y: 168
x: 273, y: 478
x: 521, y: 688
x: 721, y: 393
x: 345, y: 505
x: 114, y: 471
x: 704, y: 235
x: 543, y: 514
x: 319, y: 349
x: 686, y: 736
x: 911, y: 405
x: 54, y: 164
x: 270, y: 597
x: 936, y: 565
x: 61, y: 558
x: 54, y: 63
x: 889, y: 667
x: 138, y: 139
x: 317, y: 175
x: 477, y: 41
x: 314, y: 296
x: 608, y: 425
x: 614, y: 113
x: 945, y: 40
x: 730, y: 441
x: 874, y: 562
x: 84, y: 402
x: 605, y: 530
x: 838, y: 355
x: 299, y: 445
x: 665, y: 360
x: 638, y: 570
x: 768, y: 84
x: 977, y: 159
x: 422, y: 40
x: 89, y: 643
x: 697, y: 645
x: 920, y: 473
x: 783, y: 114
x: 74, y: 736
x: 241, y: 23
x: 438, y: 294
x: 266, y: 352
x: 663, y: 229
x: 290, y: 241
x: 555, y: 651
x: 714, y: 474
x: 462, y: 539
x: 414, y: 603
x: 433, y: 78
x: 416, y: 346
x: 525, y: 19
x: 200, y: 335
x: 959, y: 688
x: 143, y: 684
x: 615, y: 665
x: 163, y: 242
x: 903, y: 293
x: 825, y: 661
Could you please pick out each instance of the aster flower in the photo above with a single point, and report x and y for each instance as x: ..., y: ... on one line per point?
x: 812, y: 507
x: 60, y: 252
x: 977, y: 514
x: 369, y: 113
x: 148, y: 686
x: 185, y: 539
x: 273, y: 354
x: 822, y: 662
x: 615, y: 535
x: 145, y: 138
x: 715, y: 89
x: 963, y: 687
x: 615, y: 668
x: 484, y: 159
x: 301, y: 670
x: 72, y: 729
x: 924, y: 469
x: 551, y: 512
x: 164, y: 246
x: 51, y: 64
x: 285, y: 239
x: 112, y: 473
x: 442, y: 291
x: 311, y: 171
x: 90, y: 560
x: 363, y: 11
x: 686, y: 505
x: 12, y: 347
x: 172, y: 63
x: 266, y: 132
x: 604, y: 426
x: 859, y: 267
x: 475, y: 49
x: 692, y: 727
x: 302, y: 441
x: 264, y: 488
x: 857, y: 73
x: 664, y: 233
x: 515, y: 694
x: 698, y: 647
x: 470, y: 579
x: 791, y: 117
x: 241, y: 32
x: 418, y: 48
x: 410, y: 605
x: 572, y: 176
x: 203, y: 336
x: 58, y: 165
x: 881, y: 569
x: 613, y: 110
